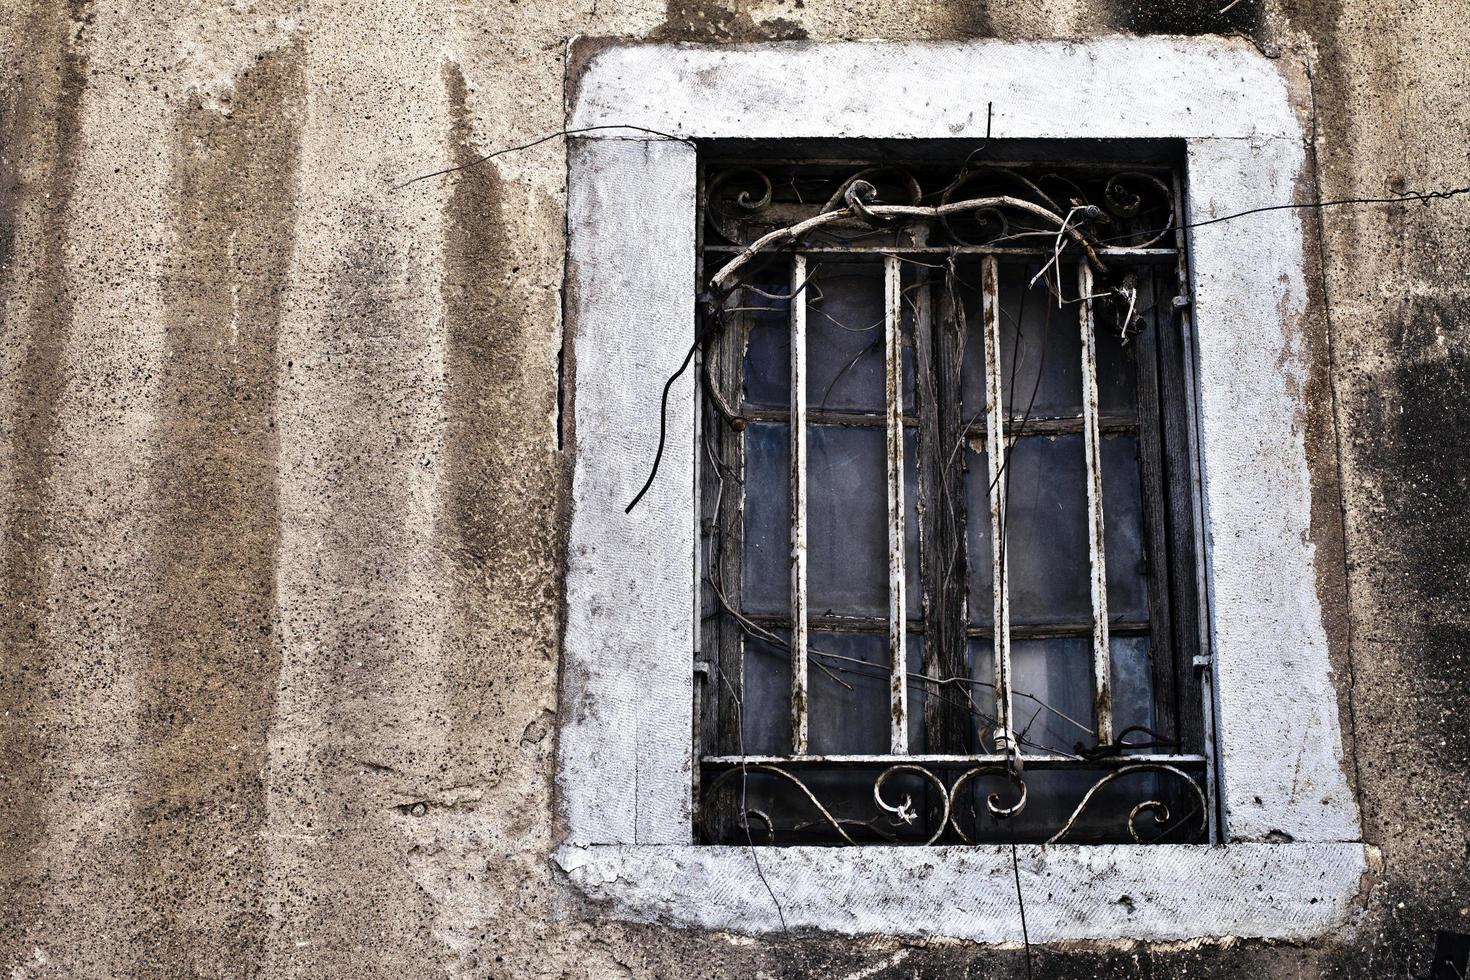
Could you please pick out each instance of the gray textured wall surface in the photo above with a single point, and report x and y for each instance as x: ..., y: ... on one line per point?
x: 282, y: 499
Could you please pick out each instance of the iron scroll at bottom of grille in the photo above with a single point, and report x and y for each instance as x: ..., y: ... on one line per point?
x: 815, y: 800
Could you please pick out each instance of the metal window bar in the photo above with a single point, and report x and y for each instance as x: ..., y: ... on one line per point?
x: 1004, y: 734
x: 1101, y: 656
x: 897, y: 607
x: 799, y: 630
x: 1204, y: 660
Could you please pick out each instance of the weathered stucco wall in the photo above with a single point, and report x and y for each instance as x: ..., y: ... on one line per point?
x: 282, y: 495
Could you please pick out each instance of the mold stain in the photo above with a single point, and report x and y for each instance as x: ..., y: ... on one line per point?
x: 209, y: 680
x: 1421, y: 463
x: 500, y: 514
x: 706, y: 20
x: 40, y: 151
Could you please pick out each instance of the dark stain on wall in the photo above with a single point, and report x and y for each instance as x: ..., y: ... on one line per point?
x: 1417, y: 433
x: 502, y: 502
x: 208, y: 689
x: 708, y: 20
x: 485, y: 333
x: 40, y: 151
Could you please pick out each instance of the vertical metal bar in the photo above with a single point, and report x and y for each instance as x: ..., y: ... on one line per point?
x: 1204, y: 659
x: 897, y: 600
x: 798, y: 507
x: 1101, y: 656
x: 996, y: 452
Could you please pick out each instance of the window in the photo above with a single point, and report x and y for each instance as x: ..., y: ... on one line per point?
x: 635, y: 722
x: 857, y: 376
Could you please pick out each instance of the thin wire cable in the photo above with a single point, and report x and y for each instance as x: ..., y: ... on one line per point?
x: 663, y: 427
x: 744, y: 806
x: 1021, y: 904
x: 1402, y: 197
x: 537, y: 142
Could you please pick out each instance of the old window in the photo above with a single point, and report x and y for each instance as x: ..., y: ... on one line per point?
x: 1040, y: 598
x: 642, y: 737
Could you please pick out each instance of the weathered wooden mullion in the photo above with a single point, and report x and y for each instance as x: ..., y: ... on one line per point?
x: 1155, y: 528
x: 1045, y: 631
x: 798, y: 507
x: 1061, y: 426
x: 948, y: 726
x: 872, y: 420
x: 897, y: 576
x: 998, y: 451
x: 725, y: 686
x: 729, y: 685
x: 1102, y: 681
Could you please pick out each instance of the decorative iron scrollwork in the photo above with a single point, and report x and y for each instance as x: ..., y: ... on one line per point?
x: 898, y: 814
x: 1130, y: 208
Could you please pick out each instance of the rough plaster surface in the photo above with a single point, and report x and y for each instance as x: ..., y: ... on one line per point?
x: 233, y: 741
x: 627, y: 711
x: 1077, y: 892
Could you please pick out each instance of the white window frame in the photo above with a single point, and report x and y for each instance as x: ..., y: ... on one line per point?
x: 1293, y: 862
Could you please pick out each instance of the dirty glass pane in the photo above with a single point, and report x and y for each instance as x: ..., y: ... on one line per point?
x: 977, y: 537
x: 1123, y: 528
x: 1117, y: 371
x: 845, y: 352
x: 918, y: 691
x: 766, y: 575
x: 963, y: 290
x: 847, y: 521
x: 913, y: 569
x: 765, y: 716
x: 846, y: 721
x: 1133, y: 688
x: 768, y: 351
x: 1117, y: 365
x: 1046, y: 536
x: 1040, y: 347
x: 1049, y: 679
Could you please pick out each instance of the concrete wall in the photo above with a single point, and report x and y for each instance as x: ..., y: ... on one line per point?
x: 283, y: 500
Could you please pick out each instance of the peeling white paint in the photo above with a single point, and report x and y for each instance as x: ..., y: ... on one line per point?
x: 626, y: 736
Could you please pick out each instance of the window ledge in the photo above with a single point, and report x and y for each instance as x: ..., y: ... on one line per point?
x: 1158, y: 893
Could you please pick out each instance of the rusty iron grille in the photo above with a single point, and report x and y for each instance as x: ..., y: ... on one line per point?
x: 950, y: 573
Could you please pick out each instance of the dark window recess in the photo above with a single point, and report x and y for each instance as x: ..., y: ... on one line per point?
x: 949, y: 558
x: 1451, y: 956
